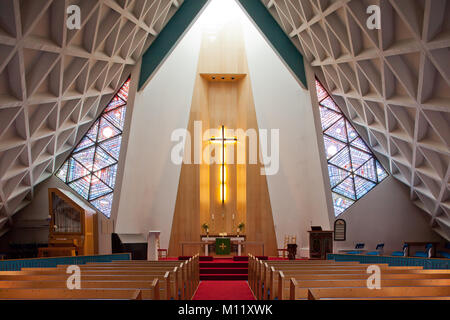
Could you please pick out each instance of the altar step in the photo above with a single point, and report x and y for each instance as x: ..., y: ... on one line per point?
x: 223, y: 270
x: 222, y: 264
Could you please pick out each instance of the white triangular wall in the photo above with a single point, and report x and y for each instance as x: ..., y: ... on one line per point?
x: 150, y: 179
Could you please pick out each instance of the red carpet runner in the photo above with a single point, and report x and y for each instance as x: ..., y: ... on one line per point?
x: 223, y: 290
x: 222, y: 269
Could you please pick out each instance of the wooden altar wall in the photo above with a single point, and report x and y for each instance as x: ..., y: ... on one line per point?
x: 215, y: 103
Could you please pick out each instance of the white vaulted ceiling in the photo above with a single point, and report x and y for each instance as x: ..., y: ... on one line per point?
x: 55, y: 81
x: 393, y: 83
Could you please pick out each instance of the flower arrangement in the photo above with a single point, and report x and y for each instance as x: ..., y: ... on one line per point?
x: 241, y: 227
x: 205, y: 227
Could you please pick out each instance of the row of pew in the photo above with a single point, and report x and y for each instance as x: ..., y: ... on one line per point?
x: 118, y: 280
x: 328, y: 279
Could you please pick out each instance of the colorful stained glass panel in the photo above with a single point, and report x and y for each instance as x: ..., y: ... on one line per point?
x: 62, y: 172
x: 93, y: 131
x: 352, y: 168
x: 358, y: 157
x: 115, y: 103
x: 104, y: 204
x: 107, y: 130
x: 76, y: 170
x: 336, y: 175
x: 338, y: 130
x: 340, y: 203
x: 112, y: 146
x: 328, y: 117
x: 98, y: 188
x: 363, y: 186
x: 329, y: 103
x: 85, y: 143
x: 346, y: 188
x: 368, y: 170
x: 381, y: 173
x: 81, y: 186
x: 359, y: 143
x: 123, y: 92
x: 102, y: 160
x: 108, y: 175
x: 86, y: 157
x: 352, y: 134
x: 91, y: 169
x: 342, y: 159
x: 117, y: 117
x: 321, y: 92
x: 332, y: 146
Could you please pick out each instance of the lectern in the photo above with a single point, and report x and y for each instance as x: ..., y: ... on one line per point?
x: 320, y: 243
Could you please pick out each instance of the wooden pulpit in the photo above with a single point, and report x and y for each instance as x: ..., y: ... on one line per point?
x: 320, y: 243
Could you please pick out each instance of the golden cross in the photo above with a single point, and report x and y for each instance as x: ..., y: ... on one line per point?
x: 222, y: 246
x: 223, y: 140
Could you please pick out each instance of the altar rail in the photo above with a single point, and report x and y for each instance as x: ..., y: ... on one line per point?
x: 16, y: 265
x: 426, y: 263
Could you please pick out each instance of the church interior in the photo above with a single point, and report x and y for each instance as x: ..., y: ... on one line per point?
x: 225, y: 149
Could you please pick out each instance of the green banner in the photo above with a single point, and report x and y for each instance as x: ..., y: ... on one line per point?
x: 223, y: 246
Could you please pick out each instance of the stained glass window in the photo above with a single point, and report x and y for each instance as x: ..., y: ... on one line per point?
x: 92, y: 167
x: 352, y: 167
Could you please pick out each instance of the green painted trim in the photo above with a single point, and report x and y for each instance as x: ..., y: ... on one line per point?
x: 17, y: 265
x: 168, y: 37
x: 426, y: 263
x: 276, y: 36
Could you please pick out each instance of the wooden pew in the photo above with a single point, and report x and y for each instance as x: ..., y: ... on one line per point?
x: 169, y: 279
x: 256, y: 267
x: 150, y: 290
x: 270, y: 275
x: 191, y: 275
x: 299, y: 288
x: 266, y: 279
x: 430, y: 292
x: 106, y: 281
x: 66, y: 294
x: 284, y: 278
x: 186, y: 279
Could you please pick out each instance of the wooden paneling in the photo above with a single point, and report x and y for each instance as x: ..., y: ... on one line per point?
x: 228, y: 102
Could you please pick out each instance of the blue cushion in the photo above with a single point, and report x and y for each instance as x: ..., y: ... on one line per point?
x: 421, y: 254
x: 354, y: 252
x: 397, y: 254
x: 373, y: 253
x: 445, y: 254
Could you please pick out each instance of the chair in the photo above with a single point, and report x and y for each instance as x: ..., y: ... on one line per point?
x: 378, y: 250
x: 162, y: 253
x: 282, y: 253
x: 426, y: 253
x: 402, y: 253
x: 357, y: 246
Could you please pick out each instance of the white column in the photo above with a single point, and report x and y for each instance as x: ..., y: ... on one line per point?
x: 152, y: 245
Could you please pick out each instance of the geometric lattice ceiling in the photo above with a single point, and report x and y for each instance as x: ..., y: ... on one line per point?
x: 393, y: 83
x: 55, y: 81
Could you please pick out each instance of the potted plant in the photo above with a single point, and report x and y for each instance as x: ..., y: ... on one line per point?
x: 206, y: 228
x: 241, y: 227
